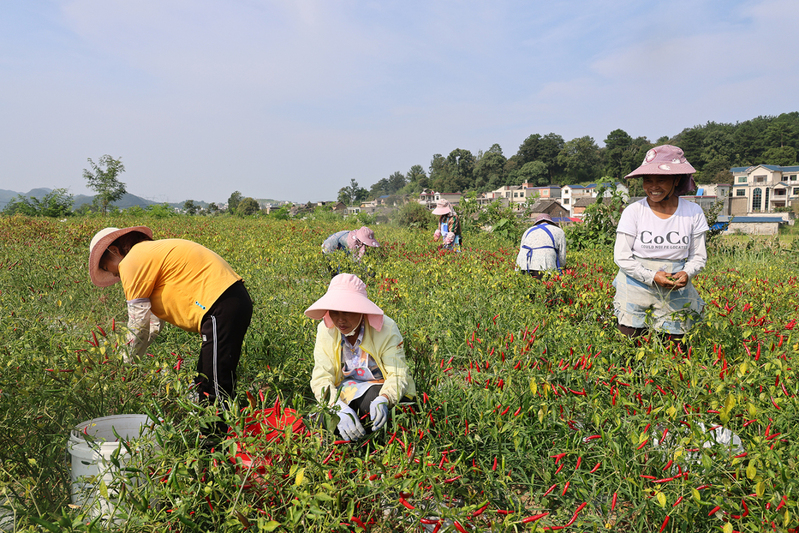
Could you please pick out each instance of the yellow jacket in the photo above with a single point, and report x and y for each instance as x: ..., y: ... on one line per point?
x: 385, y: 347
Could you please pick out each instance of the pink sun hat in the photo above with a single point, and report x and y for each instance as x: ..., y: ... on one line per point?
x: 663, y: 160
x: 99, y: 244
x: 667, y: 160
x: 443, y: 207
x: 364, y: 235
x: 346, y: 293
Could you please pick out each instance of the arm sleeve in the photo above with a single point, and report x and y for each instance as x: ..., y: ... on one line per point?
x: 697, y: 255
x: 139, y: 326
x: 623, y: 257
x: 562, y: 250
x: 392, y: 355
x: 323, y: 376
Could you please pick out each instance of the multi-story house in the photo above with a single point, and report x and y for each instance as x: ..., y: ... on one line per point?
x: 763, y: 188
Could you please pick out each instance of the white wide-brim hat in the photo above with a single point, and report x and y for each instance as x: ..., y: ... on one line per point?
x: 346, y: 293
x: 100, y: 243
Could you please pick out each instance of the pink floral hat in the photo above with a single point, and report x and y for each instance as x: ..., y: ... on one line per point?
x: 443, y: 207
x: 364, y: 236
x: 347, y: 293
x: 667, y: 160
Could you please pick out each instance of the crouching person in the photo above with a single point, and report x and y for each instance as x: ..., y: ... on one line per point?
x: 359, y: 359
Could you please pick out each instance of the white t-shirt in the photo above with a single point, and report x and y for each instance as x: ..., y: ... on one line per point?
x: 657, y: 238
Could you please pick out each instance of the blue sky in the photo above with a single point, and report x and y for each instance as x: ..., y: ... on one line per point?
x: 290, y: 99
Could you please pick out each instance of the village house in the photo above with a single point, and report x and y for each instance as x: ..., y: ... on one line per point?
x: 763, y: 188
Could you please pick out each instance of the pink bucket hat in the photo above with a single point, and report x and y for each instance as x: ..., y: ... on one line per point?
x: 99, y: 244
x: 443, y: 207
x: 364, y: 235
x: 667, y: 160
x: 346, y: 293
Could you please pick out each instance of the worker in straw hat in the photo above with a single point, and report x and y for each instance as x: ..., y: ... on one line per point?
x: 543, y: 248
x: 359, y: 359
x: 660, y: 247
x: 185, y: 284
x: 449, y: 226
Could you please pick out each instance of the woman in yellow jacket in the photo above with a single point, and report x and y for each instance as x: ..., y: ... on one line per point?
x: 359, y: 358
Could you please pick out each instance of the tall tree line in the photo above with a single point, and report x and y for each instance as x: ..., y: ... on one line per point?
x: 712, y: 149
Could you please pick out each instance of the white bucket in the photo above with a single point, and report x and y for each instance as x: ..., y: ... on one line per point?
x: 91, y: 445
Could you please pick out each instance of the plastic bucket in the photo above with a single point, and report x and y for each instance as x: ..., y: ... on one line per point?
x: 92, y: 445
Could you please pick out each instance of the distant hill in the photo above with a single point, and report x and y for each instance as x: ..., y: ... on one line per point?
x: 128, y: 200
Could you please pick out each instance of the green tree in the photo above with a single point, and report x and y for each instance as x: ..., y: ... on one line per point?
x: 414, y: 215
x: 248, y: 206
x: 352, y: 194
x: 783, y: 156
x: 461, y: 170
x: 190, y: 207
x: 580, y: 159
x: 56, y: 203
x: 233, y: 201
x: 102, y: 179
x: 439, y: 172
x: 549, y: 148
x: 618, y: 146
x: 213, y: 208
x: 489, y: 171
x: 534, y: 172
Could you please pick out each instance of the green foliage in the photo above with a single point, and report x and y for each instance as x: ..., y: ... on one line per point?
x: 524, y: 385
x: 190, y: 207
x: 233, y: 201
x: 102, y: 179
x: 414, y: 215
x: 282, y: 213
x: 600, y: 220
x: 248, y: 206
x: 712, y: 216
x: 161, y: 210
x: 352, y: 194
x: 56, y: 204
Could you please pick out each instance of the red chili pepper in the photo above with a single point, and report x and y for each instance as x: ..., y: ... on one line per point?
x: 459, y: 527
x: 665, y: 521
x: 592, y: 437
x: 565, y: 488
x: 95, y: 339
x: 493, y: 468
x: 503, y: 413
x: 774, y: 403
x: 534, y: 518
x: 702, y: 487
x: 668, y: 465
x: 359, y: 522
x: 574, y: 517
x: 550, y: 489
x: 480, y: 510
x: 405, y: 503
x: 679, y: 500
x: 558, y: 457
x: 113, y: 324
x: 579, y: 460
x: 642, y: 444
x: 784, y: 499
x: 208, y: 501
x: 648, y: 477
x: 596, y: 467
x: 613, y: 502
x: 560, y: 468
x: 518, y: 411
x: 450, y: 480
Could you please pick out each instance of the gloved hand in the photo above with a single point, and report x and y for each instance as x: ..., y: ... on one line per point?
x: 378, y: 411
x: 437, y: 235
x: 349, y: 426
x: 449, y: 238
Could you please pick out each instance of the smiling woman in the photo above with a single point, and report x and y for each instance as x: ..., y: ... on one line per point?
x: 660, y: 246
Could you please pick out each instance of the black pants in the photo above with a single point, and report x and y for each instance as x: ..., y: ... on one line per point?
x: 223, y: 328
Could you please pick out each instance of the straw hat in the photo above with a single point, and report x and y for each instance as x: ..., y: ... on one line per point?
x: 100, y: 243
x: 443, y: 207
x: 346, y: 293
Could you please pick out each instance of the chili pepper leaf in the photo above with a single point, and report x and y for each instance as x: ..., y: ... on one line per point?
x: 751, y: 471
x: 760, y: 489
x: 661, y: 499
x: 696, y: 495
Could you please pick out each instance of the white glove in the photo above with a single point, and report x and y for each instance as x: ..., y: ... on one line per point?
x: 437, y: 235
x: 449, y: 238
x: 349, y: 426
x: 378, y: 411
x: 140, y: 335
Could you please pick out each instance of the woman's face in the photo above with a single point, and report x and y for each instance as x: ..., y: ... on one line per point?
x: 658, y: 187
x: 110, y: 260
x: 345, y: 321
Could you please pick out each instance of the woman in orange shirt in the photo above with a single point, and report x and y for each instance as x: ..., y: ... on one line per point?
x: 185, y: 284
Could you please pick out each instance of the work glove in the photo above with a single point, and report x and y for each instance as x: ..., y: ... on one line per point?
x: 378, y: 411
x: 437, y: 235
x: 449, y: 238
x: 349, y: 427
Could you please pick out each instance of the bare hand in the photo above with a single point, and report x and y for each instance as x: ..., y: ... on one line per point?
x: 677, y: 280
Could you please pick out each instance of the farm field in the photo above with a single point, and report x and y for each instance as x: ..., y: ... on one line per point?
x: 533, y: 412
